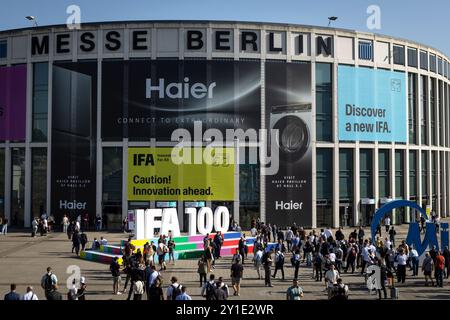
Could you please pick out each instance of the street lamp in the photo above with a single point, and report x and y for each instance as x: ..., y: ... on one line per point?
x: 33, y: 19
x: 333, y: 18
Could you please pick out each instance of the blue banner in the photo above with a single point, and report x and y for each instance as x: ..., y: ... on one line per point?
x: 371, y: 105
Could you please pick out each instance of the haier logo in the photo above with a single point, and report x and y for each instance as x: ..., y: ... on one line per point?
x: 281, y: 205
x: 74, y: 205
x: 178, y: 90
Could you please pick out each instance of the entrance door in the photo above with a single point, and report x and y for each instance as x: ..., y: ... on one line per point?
x: 367, y: 212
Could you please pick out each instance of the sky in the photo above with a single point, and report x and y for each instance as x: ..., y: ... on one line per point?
x: 426, y: 22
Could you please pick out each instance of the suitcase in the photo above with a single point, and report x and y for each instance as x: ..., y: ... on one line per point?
x: 394, y: 293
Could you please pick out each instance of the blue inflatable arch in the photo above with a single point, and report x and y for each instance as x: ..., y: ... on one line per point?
x: 380, y: 213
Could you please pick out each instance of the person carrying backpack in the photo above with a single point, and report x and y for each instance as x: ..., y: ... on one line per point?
x: 209, y: 288
x: 174, y: 289
x: 48, y: 281
x: 279, y: 263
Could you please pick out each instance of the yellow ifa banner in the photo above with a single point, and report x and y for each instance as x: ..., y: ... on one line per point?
x: 175, y: 173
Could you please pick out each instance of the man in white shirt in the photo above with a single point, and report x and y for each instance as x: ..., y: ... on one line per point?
x: 289, y: 235
x: 332, y: 256
x: 257, y: 260
x: 103, y: 241
x: 331, y: 277
x: 172, y: 287
x: 414, y: 256
x: 387, y: 223
x: 327, y: 233
x: 30, y: 295
x: 183, y: 295
x: 387, y: 243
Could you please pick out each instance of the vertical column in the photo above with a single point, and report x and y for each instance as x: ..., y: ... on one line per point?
x: 375, y: 176
x: 314, y: 146
x: 262, y: 182
x: 49, y: 134
x: 392, y: 180
x: 99, y: 166
x: 406, y: 181
x: 356, y: 183
x: 335, y: 124
x: 28, y: 138
x: 125, y: 178
x: 8, y: 168
x: 236, y: 203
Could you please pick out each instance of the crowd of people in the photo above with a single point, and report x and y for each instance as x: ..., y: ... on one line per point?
x: 323, y: 256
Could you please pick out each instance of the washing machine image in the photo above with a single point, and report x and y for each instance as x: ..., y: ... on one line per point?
x: 294, y: 137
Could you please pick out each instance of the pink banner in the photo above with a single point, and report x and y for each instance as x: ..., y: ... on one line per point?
x: 13, y: 100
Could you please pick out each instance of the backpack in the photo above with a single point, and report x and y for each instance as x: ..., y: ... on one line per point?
x: 48, y: 284
x: 210, y: 291
x: 176, y: 291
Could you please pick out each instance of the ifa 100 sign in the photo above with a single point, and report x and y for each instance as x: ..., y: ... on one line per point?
x: 203, y: 221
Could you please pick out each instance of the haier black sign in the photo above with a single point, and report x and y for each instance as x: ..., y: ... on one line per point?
x: 288, y: 110
x: 74, y: 139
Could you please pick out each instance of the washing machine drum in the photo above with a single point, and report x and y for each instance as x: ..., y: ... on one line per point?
x: 293, y: 139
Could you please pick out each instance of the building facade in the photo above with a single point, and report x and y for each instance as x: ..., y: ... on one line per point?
x: 362, y: 118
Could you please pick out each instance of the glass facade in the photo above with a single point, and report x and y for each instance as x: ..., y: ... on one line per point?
x: 346, y: 174
x: 112, y: 187
x: 399, y: 55
x: 366, y: 173
x: 249, y: 186
x: 39, y: 181
x: 383, y: 174
x: 40, y: 102
x: 412, y: 57
x: 440, y: 112
x: 412, y: 107
x: 424, y: 174
x: 3, y: 49
x: 423, y: 85
x: 324, y: 102
x: 399, y: 174
x: 324, y: 178
x: 433, y: 110
x: 413, y: 174
x: 17, y: 186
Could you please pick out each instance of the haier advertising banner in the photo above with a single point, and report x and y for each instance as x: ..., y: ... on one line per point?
x: 74, y: 140
x: 150, y: 99
x: 288, y: 110
x: 13, y: 100
x: 165, y: 174
x: 371, y: 105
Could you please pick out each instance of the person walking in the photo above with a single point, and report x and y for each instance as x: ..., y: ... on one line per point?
x: 296, y: 262
x: 218, y: 241
x: 76, y: 242
x: 439, y: 269
x: 82, y: 290
x: 5, y: 227
x: 48, y: 281
x: 294, y: 292
x: 414, y: 258
x: 202, y: 269
x: 115, y: 272
x: 208, y: 288
x: 138, y: 289
x: 155, y: 292
x: 383, y: 279
x: 279, y: 263
x: 54, y: 294
x: 183, y: 295
x: 237, y: 271
x: 12, y: 295
x: 257, y: 262
x: 446, y: 255
x: 392, y: 234
x: 83, y: 240
x: 387, y: 223
x: 331, y: 277
x: 427, y: 269
x: 30, y: 295
x: 161, y: 252
x: 171, y: 246
x: 174, y: 289
x: 401, y: 266
x: 267, y: 262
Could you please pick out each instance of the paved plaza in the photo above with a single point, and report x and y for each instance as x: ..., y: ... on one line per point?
x: 23, y: 260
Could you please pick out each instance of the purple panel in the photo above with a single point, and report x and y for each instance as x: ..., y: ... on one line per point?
x: 13, y: 99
